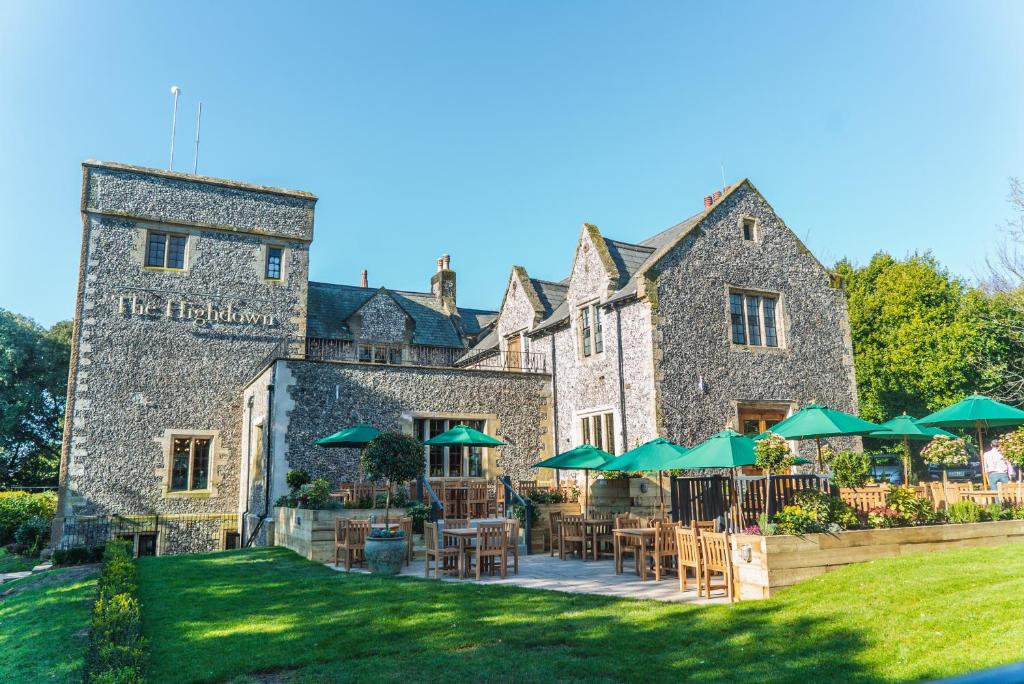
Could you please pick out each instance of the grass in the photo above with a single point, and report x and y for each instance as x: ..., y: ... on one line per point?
x: 43, y: 625
x: 216, y: 616
x: 10, y: 562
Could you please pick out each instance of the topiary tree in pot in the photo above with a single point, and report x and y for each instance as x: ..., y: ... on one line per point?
x: 391, y: 458
x: 772, y: 455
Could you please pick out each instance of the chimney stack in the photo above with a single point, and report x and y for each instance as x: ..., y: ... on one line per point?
x: 718, y: 195
x: 365, y: 282
x: 707, y: 201
x: 442, y: 285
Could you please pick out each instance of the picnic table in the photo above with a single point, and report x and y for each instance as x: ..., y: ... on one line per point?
x: 645, y: 535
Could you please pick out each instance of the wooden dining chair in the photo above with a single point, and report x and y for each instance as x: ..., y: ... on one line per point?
x: 476, y: 499
x: 630, y: 545
x: 603, y: 541
x: 406, y: 524
x: 689, y: 558
x: 446, y: 558
x: 716, y: 558
x: 554, y: 529
x: 703, y: 525
x: 665, y: 553
x: 354, y: 541
x: 573, y: 535
x: 340, y: 528
x: 512, y: 533
x: 456, y: 523
x: 491, y: 548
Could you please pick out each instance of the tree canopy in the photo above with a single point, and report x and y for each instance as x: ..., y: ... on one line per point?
x: 33, y: 390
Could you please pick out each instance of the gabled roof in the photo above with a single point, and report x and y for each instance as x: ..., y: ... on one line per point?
x: 550, y: 294
x: 329, y: 306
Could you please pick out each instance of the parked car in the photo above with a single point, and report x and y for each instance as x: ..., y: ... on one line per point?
x: 887, y: 468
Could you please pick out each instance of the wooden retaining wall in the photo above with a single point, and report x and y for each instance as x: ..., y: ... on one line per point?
x: 764, y: 564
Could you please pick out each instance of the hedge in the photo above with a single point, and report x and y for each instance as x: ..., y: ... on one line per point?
x: 117, y: 650
x: 18, y: 507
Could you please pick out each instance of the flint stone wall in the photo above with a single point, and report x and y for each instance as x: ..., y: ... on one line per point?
x: 328, y: 396
x: 815, y: 363
x: 138, y: 377
x: 381, y: 319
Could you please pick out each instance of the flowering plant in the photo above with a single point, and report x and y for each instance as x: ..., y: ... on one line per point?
x: 1012, y: 446
x: 945, y: 451
x: 386, y: 533
x: 772, y: 454
x: 883, y: 516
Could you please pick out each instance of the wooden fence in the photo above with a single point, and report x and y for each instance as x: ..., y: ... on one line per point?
x: 737, y: 502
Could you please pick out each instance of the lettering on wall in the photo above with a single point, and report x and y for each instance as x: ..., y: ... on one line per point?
x: 199, y: 313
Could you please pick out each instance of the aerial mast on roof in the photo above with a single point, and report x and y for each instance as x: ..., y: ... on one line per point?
x: 175, y: 90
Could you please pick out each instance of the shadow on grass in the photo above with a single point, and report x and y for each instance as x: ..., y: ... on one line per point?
x: 218, y: 616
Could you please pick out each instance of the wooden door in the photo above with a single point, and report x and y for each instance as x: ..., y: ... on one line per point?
x: 754, y: 421
x: 513, y: 353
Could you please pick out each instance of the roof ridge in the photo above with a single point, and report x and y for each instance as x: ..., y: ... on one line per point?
x: 629, y: 244
x: 550, y: 282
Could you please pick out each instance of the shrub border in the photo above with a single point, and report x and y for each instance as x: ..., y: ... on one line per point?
x: 116, y: 651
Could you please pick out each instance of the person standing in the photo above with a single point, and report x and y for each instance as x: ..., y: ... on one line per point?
x: 996, y: 466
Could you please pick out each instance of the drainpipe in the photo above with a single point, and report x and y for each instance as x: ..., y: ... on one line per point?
x: 248, y: 471
x: 554, y: 405
x: 622, y: 380
x: 270, y: 442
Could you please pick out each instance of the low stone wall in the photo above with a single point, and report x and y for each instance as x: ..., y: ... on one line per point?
x: 311, y: 533
x: 765, y: 564
x: 609, y: 496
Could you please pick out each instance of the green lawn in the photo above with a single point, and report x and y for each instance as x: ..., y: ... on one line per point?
x: 43, y: 625
x: 218, y: 616
x: 10, y: 562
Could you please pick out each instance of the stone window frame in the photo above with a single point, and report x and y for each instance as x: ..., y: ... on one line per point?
x: 601, y: 413
x: 781, y: 327
x: 755, y: 229
x: 164, y: 473
x: 596, y: 336
x: 489, y: 457
x: 264, y: 246
x: 142, y: 249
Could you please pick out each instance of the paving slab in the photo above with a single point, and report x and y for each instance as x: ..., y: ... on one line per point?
x: 541, y: 571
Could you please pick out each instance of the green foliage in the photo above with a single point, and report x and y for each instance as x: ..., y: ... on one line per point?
x: 772, y: 454
x: 546, y: 496
x: 884, y: 517
x: 33, y: 534
x: 964, y: 512
x: 394, y: 458
x: 917, y: 337
x: 765, y: 526
x: 910, y: 508
x: 18, y: 507
x: 849, y: 468
x: 815, y: 511
x: 117, y: 649
x: 315, y: 495
x: 33, y: 392
x: 997, y: 511
x: 297, y: 478
x: 420, y: 513
x: 76, y: 555
x: 945, y: 451
x: 1012, y: 446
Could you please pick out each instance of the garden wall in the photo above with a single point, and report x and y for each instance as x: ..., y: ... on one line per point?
x: 764, y: 564
x: 311, y: 533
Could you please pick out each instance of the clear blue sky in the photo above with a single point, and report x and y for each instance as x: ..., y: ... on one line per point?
x: 492, y: 130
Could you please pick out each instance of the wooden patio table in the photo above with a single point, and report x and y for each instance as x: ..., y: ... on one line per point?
x: 645, y: 534
x: 591, y: 524
x: 463, y: 537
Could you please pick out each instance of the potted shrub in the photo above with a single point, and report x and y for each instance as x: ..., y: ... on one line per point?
x: 391, y: 458
x: 772, y: 455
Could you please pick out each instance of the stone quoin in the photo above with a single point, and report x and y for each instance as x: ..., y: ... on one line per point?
x: 205, y: 363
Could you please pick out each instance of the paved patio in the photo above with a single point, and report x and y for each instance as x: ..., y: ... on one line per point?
x: 541, y: 571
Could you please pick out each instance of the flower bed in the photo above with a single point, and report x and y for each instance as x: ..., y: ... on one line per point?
x: 117, y: 649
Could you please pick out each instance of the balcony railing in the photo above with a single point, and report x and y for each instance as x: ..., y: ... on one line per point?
x: 321, y: 349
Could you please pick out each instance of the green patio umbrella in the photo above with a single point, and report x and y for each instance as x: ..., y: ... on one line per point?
x: 585, y: 457
x: 355, y: 437
x: 978, y: 412
x: 815, y: 421
x: 906, y: 428
x: 658, y: 454
x: 463, y: 435
x: 725, y: 449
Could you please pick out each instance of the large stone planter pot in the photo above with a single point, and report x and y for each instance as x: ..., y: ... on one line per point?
x: 385, y: 556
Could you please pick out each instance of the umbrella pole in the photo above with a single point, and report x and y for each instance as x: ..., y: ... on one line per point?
x: 981, y: 456
x: 661, y: 492
x: 906, y: 461
x: 586, y: 493
x: 818, y: 440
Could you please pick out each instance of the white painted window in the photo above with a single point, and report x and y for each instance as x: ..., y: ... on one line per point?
x: 598, y: 430
x: 591, y: 333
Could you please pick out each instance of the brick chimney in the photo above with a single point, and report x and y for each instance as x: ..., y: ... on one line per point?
x: 365, y: 282
x: 442, y: 285
x: 708, y: 201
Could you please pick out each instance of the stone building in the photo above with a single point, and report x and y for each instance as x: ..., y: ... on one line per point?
x: 205, y: 364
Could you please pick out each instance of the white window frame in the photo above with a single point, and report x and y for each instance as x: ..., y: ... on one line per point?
x: 585, y: 435
x: 595, y: 337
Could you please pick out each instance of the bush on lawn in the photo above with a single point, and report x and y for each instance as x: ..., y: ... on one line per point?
x: 33, y: 534
x: 77, y: 555
x: 116, y: 651
x: 18, y: 507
